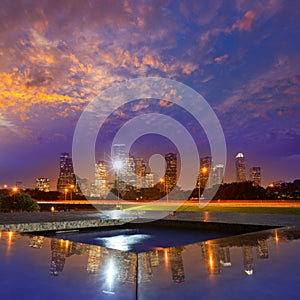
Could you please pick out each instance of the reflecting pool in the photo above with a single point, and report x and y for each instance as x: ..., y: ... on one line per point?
x: 261, y: 265
x: 142, y: 238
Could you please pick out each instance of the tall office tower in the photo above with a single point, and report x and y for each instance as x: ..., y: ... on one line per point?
x: 144, y: 267
x: 176, y: 262
x: 66, y: 173
x: 171, y: 172
x: 205, y: 169
x: 43, y: 184
x: 119, y: 164
x: 240, y: 167
x: 95, y: 259
x: 217, y: 174
x: 129, y: 176
x: 262, y: 249
x: 225, y: 256
x: 255, y: 175
x: 140, y: 171
x: 58, y: 258
x: 118, y: 156
x: 150, y: 180
x: 248, y: 259
x: 101, y: 179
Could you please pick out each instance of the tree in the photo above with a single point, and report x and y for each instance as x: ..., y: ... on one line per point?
x: 18, y: 202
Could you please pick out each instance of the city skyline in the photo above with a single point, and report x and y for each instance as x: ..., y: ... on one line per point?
x: 135, y: 172
x: 55, y: 57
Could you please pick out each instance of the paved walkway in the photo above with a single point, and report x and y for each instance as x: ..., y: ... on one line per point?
x: 80, y: 219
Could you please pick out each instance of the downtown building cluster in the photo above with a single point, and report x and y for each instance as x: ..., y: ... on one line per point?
x: 129, y: 173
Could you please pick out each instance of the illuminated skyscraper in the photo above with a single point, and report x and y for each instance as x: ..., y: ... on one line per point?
x: 101, y: 179
x: 150, y: 180
x: 95, y: 259
x: 140, y: 171
x: 43, y: 184
x: 176, y: 261
x: 66, y: 173
x: 205, y: 169
x: 262, y: 249
x: 240, y: 167
x: 217, y: 174
x: 119, y: 164
x: 225, y: 256
x: 144, y: 266
x: 248, y: 260
x: 171, y: 171
x: 255, y: 176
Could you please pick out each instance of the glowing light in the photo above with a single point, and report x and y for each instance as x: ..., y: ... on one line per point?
x: 5, y: 186
x: 66, y: 190
x: 67, y: 244
x: 118, y: 165
x: 271, y: 185
x: 166, y: 257
x: 276, y: 237
x: 211, y: 262
x: 161, y: 180
x: 204, y: 170
x: 15, y: 189
x: 123, y: 242
x: 52, y: 209
x: 239, y: 155
x: 72, y: 186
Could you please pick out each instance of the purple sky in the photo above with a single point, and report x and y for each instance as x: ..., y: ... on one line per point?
x: 242, y: 56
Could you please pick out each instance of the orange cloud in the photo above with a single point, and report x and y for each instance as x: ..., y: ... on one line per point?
x: 245, y: 23
x: 219, y: 59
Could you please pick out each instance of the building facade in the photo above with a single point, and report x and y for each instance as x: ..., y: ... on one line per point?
x: 43, y: 184
x: 66, y: 177
x: 171, y: 171
x: 240, y: 167
x: 255, y: 175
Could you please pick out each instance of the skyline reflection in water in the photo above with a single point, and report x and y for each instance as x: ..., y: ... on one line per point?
x: 181, y: 268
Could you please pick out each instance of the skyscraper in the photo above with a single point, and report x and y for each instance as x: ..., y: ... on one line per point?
x: 255, y: 176
x: 240, y: 167
x: 205, y: 169
x: 217, y: 174
x: 119, y: 164
x: 101, y: 179
x: 171, y: 171
x: 66, y: 173
x: 43, y: 184
x: 140, y: 171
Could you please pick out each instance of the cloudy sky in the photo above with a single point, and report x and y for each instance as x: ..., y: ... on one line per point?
x: 56, y: 56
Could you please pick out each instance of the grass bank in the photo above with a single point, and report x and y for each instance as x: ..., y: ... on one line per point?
x: 210, y: 208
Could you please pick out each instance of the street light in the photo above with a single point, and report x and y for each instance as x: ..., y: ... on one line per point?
x: 203, y: 171
x: 66, y: 191
x: 15, y: 189
x: 71, y: 193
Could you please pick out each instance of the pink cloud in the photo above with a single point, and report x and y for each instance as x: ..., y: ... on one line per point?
x: 245, y: 23
x: 220, y: 59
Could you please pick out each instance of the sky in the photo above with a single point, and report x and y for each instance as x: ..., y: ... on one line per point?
x: 243, y: 57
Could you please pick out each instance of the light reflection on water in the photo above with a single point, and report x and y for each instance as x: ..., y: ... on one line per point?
x: 269, y: 258
x: 123, y: 242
